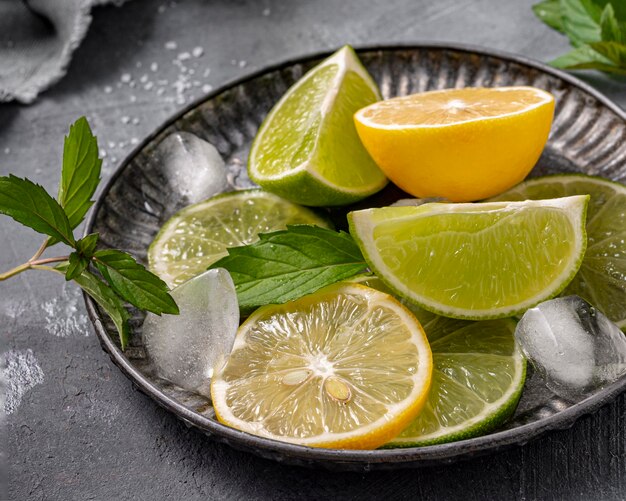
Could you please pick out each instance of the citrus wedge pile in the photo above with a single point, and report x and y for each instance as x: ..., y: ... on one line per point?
x: 458, y: 144
x: 601, y: 279
x: 199, y: 235
x: 475, y: 261
x: 307, y: 149
x: 346, y: 367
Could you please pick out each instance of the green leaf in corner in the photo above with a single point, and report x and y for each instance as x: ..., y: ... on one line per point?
x: 612, y: 30
x: 133, y: 283
x: 81, y: 171
x: 30, y: 204
x: 106, y: 299
x: 77, y: 265
x: 614, y: 52
x: 549, y: 11
x: 581, y: 21
x: 287, y: 264
x: 585, y: 58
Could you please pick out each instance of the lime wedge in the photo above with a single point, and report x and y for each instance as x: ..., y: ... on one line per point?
x: 475, y: 261
x: 307, y: 149
x: 601, y: 279
x: 199, y: 235
x: 478, y: 377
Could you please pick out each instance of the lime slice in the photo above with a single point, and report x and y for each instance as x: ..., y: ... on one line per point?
x: 601, y: 279
x: 307, y: 149
x: 475, y: 261
x: 199, y: 235
x: 478, y: 377
x: 346, y: 367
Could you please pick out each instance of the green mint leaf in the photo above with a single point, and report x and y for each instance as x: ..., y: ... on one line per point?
x: 86, y: 246
x: 31, y: 205
x: 133, y: 283
x: 106, y: 298
x: 77, y: 264
x: 81, y: 171
x: 585, y: 58
x: 549, y: 11
x: 613, y: 51
x: 612, y: 30
x: 287, y: 264
x: 581, y: 21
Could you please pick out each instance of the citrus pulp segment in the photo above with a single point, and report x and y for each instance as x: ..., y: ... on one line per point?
x: 601, y: 279
x: 475, y: 261
x: 346, y: 367
x: 199, y: 235
x: 307, y: 149
x: 458, y: 144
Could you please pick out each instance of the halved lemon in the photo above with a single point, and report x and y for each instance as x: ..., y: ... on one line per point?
x: 475, y: 261
x: 346, y: 367
x: 459, y: 144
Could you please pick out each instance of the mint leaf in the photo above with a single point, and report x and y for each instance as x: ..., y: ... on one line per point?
x: 133, y: 283
x: 581, y: 21
x: 585, y: 58
x: 612, y: 30
x: 106, y: 298
x: 30, y: 204
x: 613, y: 51
x: 86, y: 246
x: 81, y: 171
x: 549, y: 11
x: 287, y: 264
x: 77, y: 264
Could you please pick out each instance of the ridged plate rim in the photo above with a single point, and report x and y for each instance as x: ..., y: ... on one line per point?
x: 349, y: 459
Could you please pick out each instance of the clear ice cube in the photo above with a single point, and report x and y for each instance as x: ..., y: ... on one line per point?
x: 574, y: 347
x: 192, y: 168
x: 185, y: 349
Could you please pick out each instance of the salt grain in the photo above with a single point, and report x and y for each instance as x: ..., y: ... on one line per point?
x: 197, y: 51
x: 125, y: 78
x: 171, y: 45
x: 154, y: 67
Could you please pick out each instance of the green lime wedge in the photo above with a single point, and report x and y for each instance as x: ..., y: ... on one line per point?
x: 601, y: 279
x: 199, y: 235
x: 475, y: 261
x: 307, y: 149
x: 478, y: 376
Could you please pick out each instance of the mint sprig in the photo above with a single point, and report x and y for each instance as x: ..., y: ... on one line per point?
x: 287, y: 264
x: 596, y: 29
x: 121, y: 278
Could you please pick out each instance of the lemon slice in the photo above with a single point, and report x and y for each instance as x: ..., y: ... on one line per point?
x: 197, y: 236
x: 601, y: 279
x: 307, y: 149
x: 475, y: 261
x: 347, y: 367
x: 458, y: 144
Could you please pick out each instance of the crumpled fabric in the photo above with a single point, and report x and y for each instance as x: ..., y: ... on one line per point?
x: 37, y: 40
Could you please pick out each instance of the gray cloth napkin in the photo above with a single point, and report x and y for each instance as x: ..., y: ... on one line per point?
x: 37, y: 39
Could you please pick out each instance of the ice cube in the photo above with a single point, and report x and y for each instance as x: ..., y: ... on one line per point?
x: 191, y: 167
x: 185, y: 349
x: 574, y: 347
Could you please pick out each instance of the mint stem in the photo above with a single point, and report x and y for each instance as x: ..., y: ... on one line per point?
x: 31, y: 264
x: 39, y: 251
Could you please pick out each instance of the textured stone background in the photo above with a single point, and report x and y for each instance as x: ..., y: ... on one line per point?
x: 76, y: 428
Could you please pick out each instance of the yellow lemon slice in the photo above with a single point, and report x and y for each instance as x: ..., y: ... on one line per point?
x: 347, y: 367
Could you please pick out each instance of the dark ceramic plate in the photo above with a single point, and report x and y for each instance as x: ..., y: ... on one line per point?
x: 588, y: 135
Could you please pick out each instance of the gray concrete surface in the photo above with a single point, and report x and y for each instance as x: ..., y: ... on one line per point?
x: 76, y: 429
